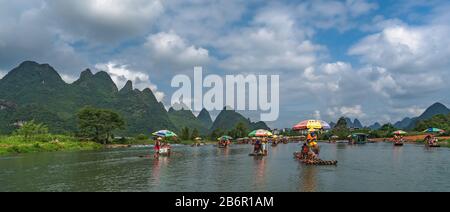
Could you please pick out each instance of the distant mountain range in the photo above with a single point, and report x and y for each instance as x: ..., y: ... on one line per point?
x: 356, y: 124
x: 35, y: 91
x: 375, y: 126
x: 407, y: 123
x: 435, y: 109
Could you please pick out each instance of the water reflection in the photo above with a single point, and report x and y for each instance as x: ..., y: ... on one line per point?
x: 308, y: 179
x: 379, y: 167
x: 157, y: 166
x: 260, y: 172
x: 397, y: 153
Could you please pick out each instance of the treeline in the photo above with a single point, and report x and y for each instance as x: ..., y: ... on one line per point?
x: 100, y: 125
x: 239, y: 131
x: 93, y: 125
x: 438, y: 121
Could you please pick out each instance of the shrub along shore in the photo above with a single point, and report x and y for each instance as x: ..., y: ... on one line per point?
x: 17, y: 144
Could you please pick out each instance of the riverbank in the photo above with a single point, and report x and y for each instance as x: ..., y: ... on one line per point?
x: 20, y: 145
x: 414, y: 139
x: 53, y: 143
x: 132, y: 144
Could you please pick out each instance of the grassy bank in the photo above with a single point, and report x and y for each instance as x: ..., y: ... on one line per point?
x: 45, y: 143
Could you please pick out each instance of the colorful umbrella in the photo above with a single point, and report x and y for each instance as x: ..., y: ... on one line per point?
x: 399, y: 132
x: 312, y: 124
x: 225, y: 137
x: 434, y: 130
x: 260, y: 133
x: 165, y: 134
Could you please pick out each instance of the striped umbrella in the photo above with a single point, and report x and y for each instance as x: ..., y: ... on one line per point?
x: 312, y: 125
x: 399, y: 132
x: 260, y: 133
x: 224, y: 138
x: 165, y: 134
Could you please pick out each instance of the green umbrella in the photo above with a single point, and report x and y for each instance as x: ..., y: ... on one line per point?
x: 225, y: 137
x: 433, y: 130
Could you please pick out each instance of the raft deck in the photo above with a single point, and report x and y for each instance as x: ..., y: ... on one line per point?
x: 317, y: 162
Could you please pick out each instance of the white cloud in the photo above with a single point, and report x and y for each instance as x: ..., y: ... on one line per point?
x: 273, y: 42
x: 2, y: 73
x: 327, y: 14
x: 120, y: 74
x: 68, y: 78
x: 404, y: 48
x: 413, y: 111
x: 346, y: 111
x: 172, y: 48
x: 317, y: 115
x: 105, y: 20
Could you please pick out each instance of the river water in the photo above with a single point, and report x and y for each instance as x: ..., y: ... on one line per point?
x: 370, y: 167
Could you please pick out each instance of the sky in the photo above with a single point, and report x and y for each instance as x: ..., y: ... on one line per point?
x: 378, y: 61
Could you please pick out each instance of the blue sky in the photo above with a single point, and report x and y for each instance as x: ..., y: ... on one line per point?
x: 378, y: 61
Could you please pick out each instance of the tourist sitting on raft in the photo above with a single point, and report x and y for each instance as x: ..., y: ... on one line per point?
x: 307, y: 154
x: 398, y: 139
x: 224, y: 143
x: 310, y: 149
x: 430, y: 140
x: 257, y: 146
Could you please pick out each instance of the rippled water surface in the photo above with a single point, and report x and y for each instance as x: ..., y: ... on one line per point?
x: 370, y: 167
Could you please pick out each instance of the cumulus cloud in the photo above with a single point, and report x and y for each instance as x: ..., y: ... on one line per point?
x: 120, y: 74
x: 347, y: 111
x: 105, y: 20
x: 273, y: 42
x: 26, y: 34
x: 171, y: 48
x: 328, y: 14
x: 404, y: 48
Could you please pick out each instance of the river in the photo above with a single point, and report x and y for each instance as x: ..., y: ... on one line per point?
x: 370, y: 167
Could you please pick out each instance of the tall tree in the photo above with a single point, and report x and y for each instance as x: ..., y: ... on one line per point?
x: 99, y: 124
x: 185, y: 134
x: 241, y: 130
x: 195, y: 134
x: 30, y: 129
x: 388, y: 128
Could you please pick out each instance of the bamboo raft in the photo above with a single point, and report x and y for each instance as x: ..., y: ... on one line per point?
x: 257, y: 155
x: 316, y: 162
x: 320, y: 162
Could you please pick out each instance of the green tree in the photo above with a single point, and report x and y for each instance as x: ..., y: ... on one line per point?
x: 241, y: 130
x: 438, y: 121
x: 215, y: 134
x: 233, y: 133
x: 388, y: 128
x: 31, y: 129
x: 195, y: 134
x: 185, y: 134
x: 99, y: 124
